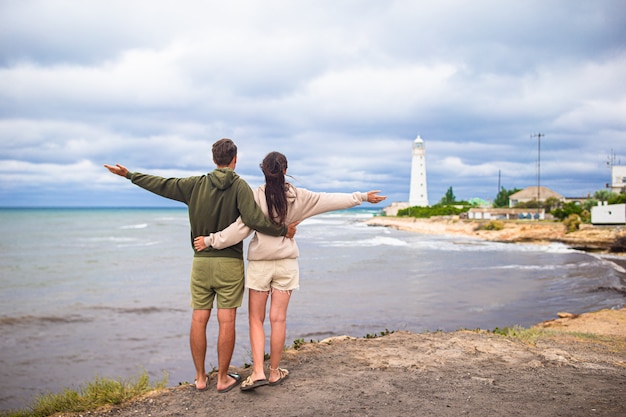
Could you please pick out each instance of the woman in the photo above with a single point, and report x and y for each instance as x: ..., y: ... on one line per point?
x: 273, y: 261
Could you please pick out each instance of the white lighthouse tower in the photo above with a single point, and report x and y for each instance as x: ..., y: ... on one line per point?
x: 418, y: 195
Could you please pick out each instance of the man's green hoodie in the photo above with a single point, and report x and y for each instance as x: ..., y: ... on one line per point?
x: 214, y: 201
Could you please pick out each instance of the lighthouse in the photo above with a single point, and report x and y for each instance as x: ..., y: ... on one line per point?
x: 418, y: 195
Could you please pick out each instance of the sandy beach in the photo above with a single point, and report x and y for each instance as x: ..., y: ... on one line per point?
x: 576, y: 365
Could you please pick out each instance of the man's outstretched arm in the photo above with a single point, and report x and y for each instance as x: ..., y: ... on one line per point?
x: 178, y: 189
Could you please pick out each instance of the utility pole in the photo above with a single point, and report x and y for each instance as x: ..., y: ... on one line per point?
x: 538, y: 136
x: 499, y: 171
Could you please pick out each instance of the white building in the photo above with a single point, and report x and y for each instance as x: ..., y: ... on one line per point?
x: 608, y: 214
x: 618, y: 178
x: 418, y: 195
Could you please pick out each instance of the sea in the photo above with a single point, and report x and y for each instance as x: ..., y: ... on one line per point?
x: 104, y: 292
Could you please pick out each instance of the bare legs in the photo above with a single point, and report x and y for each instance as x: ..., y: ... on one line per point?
x: 257, y: 302
x: 225, y: 344
x: 256, y: 316
x: 278, y: 321
x: 197, y: 343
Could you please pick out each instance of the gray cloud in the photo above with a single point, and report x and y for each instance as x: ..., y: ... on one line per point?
x: 342, y: 88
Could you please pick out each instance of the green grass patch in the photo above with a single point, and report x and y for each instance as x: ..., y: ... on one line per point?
x: 298, y: 343
x: 386, y: 332
x: 526, y: 335
x: 100, y: 392
x: 531, y: 335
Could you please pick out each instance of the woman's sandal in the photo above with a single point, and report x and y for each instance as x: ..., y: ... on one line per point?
x: 248, y: 384
x: 284, y: 374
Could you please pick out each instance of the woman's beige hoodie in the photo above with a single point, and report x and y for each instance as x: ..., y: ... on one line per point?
x: 301, y: 204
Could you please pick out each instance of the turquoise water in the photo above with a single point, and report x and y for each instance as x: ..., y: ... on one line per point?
x: 104, y: 292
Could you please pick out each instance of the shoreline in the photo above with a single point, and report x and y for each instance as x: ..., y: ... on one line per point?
x: 593, y: 239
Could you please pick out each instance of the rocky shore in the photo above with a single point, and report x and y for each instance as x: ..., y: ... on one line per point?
x: 588, y: 237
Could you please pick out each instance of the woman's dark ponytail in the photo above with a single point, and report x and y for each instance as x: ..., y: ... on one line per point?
x: 274, y: 166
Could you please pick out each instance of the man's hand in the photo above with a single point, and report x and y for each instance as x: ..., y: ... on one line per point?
x: 373, y: 198
x: 117, y: 169
x: 291, y: 230
x: 199, y: 244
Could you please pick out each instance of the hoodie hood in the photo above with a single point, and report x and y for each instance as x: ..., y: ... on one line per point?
x: 223, y: 178
x: 290, y: 190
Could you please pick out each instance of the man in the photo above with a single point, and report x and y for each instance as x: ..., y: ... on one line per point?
x: 214, y: 201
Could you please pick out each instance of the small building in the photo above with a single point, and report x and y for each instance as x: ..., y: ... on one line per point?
x: 608, y: 214
x: 532, y: 194
x: 487, y: 213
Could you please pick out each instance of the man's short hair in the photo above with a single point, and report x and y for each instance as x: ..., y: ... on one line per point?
x: 224, y: 150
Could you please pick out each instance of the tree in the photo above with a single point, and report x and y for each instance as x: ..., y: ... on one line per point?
x: 618, y: 198
x: 528, y: 204
x: 551, y: 203
x: 603, y: 195
x: 502, y: 199
x: 567, y: 210
x: 589, y: 203
x: 610, y: 197
x: 449, y: 198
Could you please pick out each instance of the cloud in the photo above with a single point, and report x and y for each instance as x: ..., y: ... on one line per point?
x: 342, y: 88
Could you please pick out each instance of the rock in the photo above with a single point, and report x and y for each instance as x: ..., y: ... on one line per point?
x: 619, y: 245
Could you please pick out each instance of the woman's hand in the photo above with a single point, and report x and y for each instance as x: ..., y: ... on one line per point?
x: 373, y: 198
x: 198, y: 244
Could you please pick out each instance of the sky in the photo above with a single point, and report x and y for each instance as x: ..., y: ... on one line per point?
x: 341, y: 87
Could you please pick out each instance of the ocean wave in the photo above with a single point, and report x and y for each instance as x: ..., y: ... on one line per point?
x: 134, y: 244
x: 375, y: 241
x: 135, y: 226
x: 618, y: 263
x: 121, y: 242
x: 340, y: 218
x: 172, y: 219
x: 348, y: 214
x: 113, y: 239
x: 43, y: 320
x: 318, y: 221
x: 477, y: 245
x: 621, y: 291
x: 533, y: 267
x: 138, y: 310
x: 486, y: 307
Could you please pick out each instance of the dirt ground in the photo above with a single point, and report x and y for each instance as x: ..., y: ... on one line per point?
x: 474, y: 373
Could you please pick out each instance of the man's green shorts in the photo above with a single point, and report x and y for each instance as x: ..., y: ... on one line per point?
x: 216, y: 277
